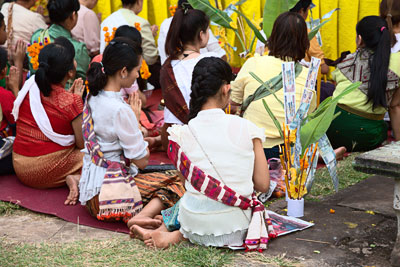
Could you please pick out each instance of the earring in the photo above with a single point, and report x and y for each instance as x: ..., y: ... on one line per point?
x: 123, y: 77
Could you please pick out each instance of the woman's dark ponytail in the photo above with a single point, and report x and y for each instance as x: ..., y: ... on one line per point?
x: 376, y: 37
x: 121, y: 52
x: 185, y: 28
x: 55, y: 60
x: 96, y: 78
x: 209, y: 75
x: 41, y: 79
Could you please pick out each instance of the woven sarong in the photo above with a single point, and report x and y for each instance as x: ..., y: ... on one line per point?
x: 119, y: 196
x: 260, y: 228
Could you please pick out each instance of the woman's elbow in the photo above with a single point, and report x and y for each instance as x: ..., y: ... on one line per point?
x: 262, y: 187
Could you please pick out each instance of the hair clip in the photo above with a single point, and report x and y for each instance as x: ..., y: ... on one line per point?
x: 186, y: 7
x: 383, y: 28
x: 102, y: 67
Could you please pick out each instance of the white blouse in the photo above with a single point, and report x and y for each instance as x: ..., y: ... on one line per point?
x: 183, y: 70
x: 212, y: 45
x: 117, y: 132
x: 396, y: 47
x: 227, y: 140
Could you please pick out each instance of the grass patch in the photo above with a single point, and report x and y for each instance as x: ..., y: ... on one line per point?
x: 114, y: 252
x: 280, y: 260
x: 347, y: 177
x: 7, y: 208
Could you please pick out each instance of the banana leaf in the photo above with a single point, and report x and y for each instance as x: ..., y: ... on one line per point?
x: 314, y: 129
x: 315, y: 30
x: 274, y: 119
x: 271, y: 86
x: 272, y: 9
x: 258, y: 79
x: 252, y: 26
x: 215, y: 15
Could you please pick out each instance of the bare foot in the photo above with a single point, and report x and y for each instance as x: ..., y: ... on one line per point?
x: 339, y: 152
x: 158, y: 217
x: 72, y: 182
x: 164, y: 239
x: 145, y: 222
x: 140, y: 232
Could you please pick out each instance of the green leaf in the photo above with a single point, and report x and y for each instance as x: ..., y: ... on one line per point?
x: 272, y: 9
x: 266, y: 87
x: 215, y: 15
x: 322, y: 118
x: 240, y: 2
x: 315, y: 30
x: 273, y: 85
x: 252, y: 26
x: 274, y: 119
x: 252, y: 43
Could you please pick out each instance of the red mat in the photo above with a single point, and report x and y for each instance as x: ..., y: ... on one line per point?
x: 51, y: 201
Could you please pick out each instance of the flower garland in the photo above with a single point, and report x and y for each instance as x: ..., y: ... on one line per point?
x: 34, y: 50
x: 107, y: 36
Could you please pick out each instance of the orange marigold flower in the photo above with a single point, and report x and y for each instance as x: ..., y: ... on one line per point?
x: 137, y: 26
x: 332, y: 211
x: 105, y: 29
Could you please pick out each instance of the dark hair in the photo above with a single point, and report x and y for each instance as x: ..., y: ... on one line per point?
x: 184, y: 2
x: 119, y: 53
x: 293, y: 25
x: 390, y: 11
x: 60, y: 10
x: 3, y: 58
x: 185, y: 28
x: 129, y: 32
x: 55, y: 60
x: 1, y: 19
x: 129, y: 2
x: 376, y: 37
x: 301, y: 5
x: 209, y: 74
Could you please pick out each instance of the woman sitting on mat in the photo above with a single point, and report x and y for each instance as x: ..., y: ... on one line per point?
x: 111, y: 185
x: 188, y: 33
x: 360, y: 125
x: 229, y: 150
x: 49, y: 126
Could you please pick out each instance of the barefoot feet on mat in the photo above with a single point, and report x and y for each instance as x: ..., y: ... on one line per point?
x: 72, y: 182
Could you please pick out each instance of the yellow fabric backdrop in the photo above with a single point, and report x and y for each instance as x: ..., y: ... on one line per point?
x: 338, y: 35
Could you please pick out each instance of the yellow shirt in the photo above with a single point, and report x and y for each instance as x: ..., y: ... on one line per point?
x: 358, y: 100
x: 265, y: 67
